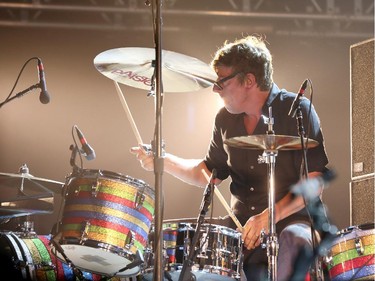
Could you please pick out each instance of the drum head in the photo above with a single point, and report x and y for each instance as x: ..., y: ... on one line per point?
x: 98, y: 261
x: 199, y: 276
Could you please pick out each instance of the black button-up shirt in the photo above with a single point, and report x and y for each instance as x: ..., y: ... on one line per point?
x: 249, y: 186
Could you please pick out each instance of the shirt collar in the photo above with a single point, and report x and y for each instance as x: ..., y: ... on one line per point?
x: 271, y: 96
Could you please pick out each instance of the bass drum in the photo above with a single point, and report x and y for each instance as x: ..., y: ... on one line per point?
x: 352, y: 254
x: 29, y: 257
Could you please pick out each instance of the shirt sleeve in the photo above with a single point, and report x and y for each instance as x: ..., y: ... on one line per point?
x: 217, y: 157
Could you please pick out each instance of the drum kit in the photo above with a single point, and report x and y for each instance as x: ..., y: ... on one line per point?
x: 107, y: 227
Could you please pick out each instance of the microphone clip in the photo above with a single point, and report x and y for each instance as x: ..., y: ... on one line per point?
x: 207, y: 195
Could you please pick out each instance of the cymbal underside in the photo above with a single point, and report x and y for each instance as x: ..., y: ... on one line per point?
x: 270, y: 142
x: 23, y: 194
x: 135, y: 67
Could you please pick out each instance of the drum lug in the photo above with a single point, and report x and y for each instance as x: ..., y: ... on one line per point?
x: 95, y: 188
x: 359, y: 246
x: 138, y: 200
x: 129, y: 242
x: 45, y: 266
x: 328, y: 260
x: 85, y: 230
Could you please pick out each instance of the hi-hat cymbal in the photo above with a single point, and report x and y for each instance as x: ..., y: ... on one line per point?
x: 270, y: 142
x: 29, y: 183
x: 135, y: 67
x: 23, y: 194
x: 26, y: 207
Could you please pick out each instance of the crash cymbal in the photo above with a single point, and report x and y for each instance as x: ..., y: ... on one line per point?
x: 135, y: 67
x: 269, y: 142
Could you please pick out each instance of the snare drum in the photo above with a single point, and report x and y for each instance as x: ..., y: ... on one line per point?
x: 351, y: 256
x: 106, y: 222
x: 30, y: 258
x: 218, y: 251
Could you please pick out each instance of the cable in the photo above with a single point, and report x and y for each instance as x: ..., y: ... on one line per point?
x: 19, y: 75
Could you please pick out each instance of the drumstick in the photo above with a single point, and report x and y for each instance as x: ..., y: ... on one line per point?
x: 130, y: 117
x: 225, y: 204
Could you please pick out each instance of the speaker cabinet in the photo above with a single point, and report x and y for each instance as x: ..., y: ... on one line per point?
x: 362, y: 108
x: 362, y: 201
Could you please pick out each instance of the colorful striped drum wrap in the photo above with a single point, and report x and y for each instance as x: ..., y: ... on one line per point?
x: 170, y: 241
x: 346, y: 261
x: 109, y: 211
x: 41, y: 263
x: 41, y: 259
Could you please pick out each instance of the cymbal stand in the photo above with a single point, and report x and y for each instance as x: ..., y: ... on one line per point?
x: 158, y: 150
x: 269, y: 157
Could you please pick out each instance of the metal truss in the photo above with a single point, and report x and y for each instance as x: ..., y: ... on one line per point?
x: 328, y: 18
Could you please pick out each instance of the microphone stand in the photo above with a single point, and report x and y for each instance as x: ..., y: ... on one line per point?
x: 73, y: 156
x: 320, y: 222
x: 20, y: 94
x: 301, y: 132
x: 186, y: 271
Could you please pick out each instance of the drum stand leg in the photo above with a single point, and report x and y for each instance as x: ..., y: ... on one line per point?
x: 77, y: 272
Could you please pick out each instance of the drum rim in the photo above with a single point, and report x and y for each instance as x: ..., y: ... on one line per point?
x: 110, y: 175
x: 350, y: 229
x: 130, y: 257
x: 122, y: 252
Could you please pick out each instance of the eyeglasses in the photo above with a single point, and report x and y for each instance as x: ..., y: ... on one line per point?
x: 221, y: 81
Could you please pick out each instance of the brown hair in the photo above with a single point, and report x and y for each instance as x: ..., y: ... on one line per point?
x: 247, y: 55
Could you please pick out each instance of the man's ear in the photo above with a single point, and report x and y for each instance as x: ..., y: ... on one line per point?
x: 250, y: 80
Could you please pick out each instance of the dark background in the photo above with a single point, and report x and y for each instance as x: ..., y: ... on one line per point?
x: 310, y: 39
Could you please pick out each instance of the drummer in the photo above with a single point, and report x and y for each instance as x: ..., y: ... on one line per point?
x: 245, y: 84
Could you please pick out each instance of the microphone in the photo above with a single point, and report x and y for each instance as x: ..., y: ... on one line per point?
x: 311, y: 188
x: 207, y: 195
x: 295, y: 104
x: 44, y: 96
x: 87, y: 149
